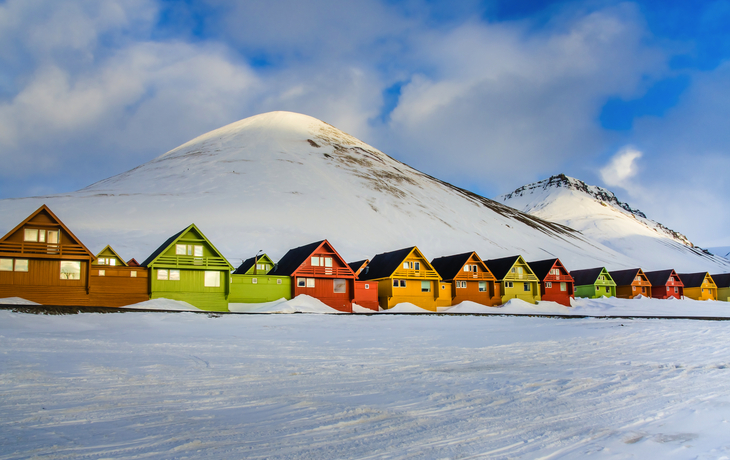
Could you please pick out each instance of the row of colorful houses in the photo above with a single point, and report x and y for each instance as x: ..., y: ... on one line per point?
x: 43, y: 261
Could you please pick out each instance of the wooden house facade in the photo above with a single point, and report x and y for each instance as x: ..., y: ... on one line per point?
x: 188, y: 267
x: 556, y: 284
x: 470, y: 279
x: 631, y: 283
x: 366, y: 292
x: 593, y: 283
x: 114, y: 283
x: 317, y: 270
x: 699, y: 286
x: 41, y: 260
x: 252, y: 283
x: 406, y: 275
x: 722, y: 282
x: 516, y: 278
x: 665, y: 284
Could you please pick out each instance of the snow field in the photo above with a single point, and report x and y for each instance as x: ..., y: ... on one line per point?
x: 176, y: 385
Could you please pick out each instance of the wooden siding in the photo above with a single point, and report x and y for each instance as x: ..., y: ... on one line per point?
x: 390, y: 296
x: 557, y: 288
x: 324, y: 279
x: 723, y: 294
x: 191, y: 289
x: 603, y: 286
x: 117, y: 287
x: 324, y: 291
x: 525, y: 285
x: 42, y: 283
x: 366, y: 294
x: 266, y: 288
x: 490, y: 297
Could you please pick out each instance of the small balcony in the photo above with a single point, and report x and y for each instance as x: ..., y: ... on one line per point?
x: 44, y: 250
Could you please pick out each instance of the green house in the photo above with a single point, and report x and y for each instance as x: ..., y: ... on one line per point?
x: 593, y: 283
x: 250, y: 283
x: 188, y: 267
x: 517, y: 279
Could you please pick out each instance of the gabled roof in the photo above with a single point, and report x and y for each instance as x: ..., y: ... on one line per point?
x: 659, y: 277
x: 450, y: 266
x: 247, y: 264
x: 108, y: 247
x: 500, y: 267
x: 58, y: 221
x: 721, y: 280
x: 693, y: 280
x: 294, y: 258
x: 174, y: 238
x: 587, y: 276
x: 541, y: 268
x: 385, y: 264
x: 625, y: 277
x: 132, y: 262
x: 358, y: 266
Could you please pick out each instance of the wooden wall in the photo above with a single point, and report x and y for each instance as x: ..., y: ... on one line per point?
x: 117, y: 287
x: 42, y: 283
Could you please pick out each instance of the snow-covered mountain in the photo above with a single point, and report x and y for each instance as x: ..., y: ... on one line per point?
x: 279, y: 180
x: 598, y: 214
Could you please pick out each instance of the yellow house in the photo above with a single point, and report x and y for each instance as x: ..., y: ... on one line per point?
x: 517, y: 279
x: 699, y: 286
x: 407, y: 276
x: 722, y: 281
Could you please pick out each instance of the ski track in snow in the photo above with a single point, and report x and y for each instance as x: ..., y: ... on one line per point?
x: 180, y: 385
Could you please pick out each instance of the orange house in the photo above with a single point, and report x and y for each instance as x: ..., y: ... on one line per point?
x: 631, y: 283
x: 115, y: 283
x: 41, y: 260
x: 366, y: 292
x: 470, y: 279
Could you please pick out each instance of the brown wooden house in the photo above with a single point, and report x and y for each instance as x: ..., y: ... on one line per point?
x: 556, y: 284
x: 41, y: 260
x: 470, y: 279
x: 317, y: 270
x: 665, y: 284
x: 114, y: 283
x: 366, y: 292
x: 631, y: 283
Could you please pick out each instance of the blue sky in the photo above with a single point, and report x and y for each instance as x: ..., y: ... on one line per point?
x: 489, y: 95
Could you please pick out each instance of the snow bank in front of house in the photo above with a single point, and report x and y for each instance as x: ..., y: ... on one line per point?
x: 299, y: 304
x: 17, y: 301
x: 406, y: 307
x: 358, y: 309
x: 163, y: 304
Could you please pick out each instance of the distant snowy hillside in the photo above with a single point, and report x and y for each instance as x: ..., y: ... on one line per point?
x: 279, y: 180
x: 598, y: 214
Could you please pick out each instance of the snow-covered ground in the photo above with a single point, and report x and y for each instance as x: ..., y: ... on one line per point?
x: 183, y: 385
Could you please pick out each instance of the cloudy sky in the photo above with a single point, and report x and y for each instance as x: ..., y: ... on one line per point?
x: 489, y: 95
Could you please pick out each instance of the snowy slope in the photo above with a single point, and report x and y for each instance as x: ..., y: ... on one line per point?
x: 598, y: 214
x: 279, y: 180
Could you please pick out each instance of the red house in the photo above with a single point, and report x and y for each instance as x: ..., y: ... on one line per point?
x: 317, y: 270
x: 556, y: 284
x: 366, y: 292
x: 665, y: 284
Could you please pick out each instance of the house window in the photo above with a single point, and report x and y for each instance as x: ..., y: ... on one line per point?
x: 466, y: 268
x: 53, y: 236
x: 676, y: 290
x: 417, y: 265
x: 70, y: 270
x: 6, y: 265
x: 301, y: 282
x: 526, y: 287
x: 598, y: 288
x: 133, y: 274
x: 607, y: 289
x: 174, y: 275
x: 212, y: 279
x: 328, y: 262
x: 563, y: 287
x: 21, y: 265
x: 425, y: 286
x: 402, y: 283
x: 278, y: 281
x: 367, y: 286
x: 254, y: 281
x: 310, y: 282
x: 339, y: 286
x: 180, y: 249
x: 633, y: 288
x: 548, y: 285
x: 520, y: 270
x: 509, y: 284
x: 31, y: 234
x: 161, y: 274
x: 482, y: 286
x: 513, y: 270
x: 198, y: 251
x: 112, y: 262
x: 461, y: 284
x: 555, y: 271
x: 405, y: 265
x: 102, y: 272
x: 638, y: 278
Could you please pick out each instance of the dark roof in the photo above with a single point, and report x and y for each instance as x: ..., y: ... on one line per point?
x: 692, y: 279
x: 624, y: 277
x: 383, y: 265
x: 162, y: 247
x: 449, y: 266
x: 541, y: 268
x: 659, y: 277
x: 294, y: 259
x: 586, y: 277
x: 245, y: 265
x: 721, y: 280
x: 500, y: 267
x: 355, y: 266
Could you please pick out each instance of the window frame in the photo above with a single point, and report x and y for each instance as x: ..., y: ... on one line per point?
x: 208, y: 279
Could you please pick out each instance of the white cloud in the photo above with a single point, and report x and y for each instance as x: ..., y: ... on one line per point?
x: 622, y: 168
